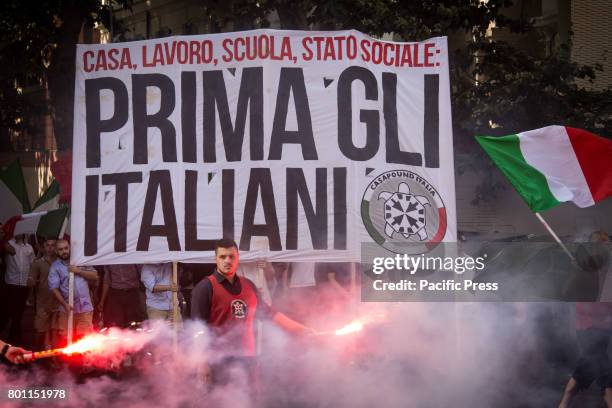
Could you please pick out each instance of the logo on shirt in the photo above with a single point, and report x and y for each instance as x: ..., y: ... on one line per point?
x: 239, y: 308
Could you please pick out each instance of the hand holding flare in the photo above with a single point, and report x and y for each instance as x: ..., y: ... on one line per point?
x: 92, y: 343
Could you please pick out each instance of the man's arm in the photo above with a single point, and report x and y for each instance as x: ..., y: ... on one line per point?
x: 331, y: 277
x: 165, y: 288
x: 13, y: 354
x: 54, y: 282
x: 34, y: 274
x: 287, y: 323
x: 61, y: 300
x: 148, y: 279
x: 9, y: 248
x: 282, y: 320
x: 90, y: 275
x: 200, y: 310
x: 31, y: 254
x: 201, y: 300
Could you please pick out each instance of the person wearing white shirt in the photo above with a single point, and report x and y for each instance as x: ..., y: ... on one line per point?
x: 19, y: 257
x: 157, y: 279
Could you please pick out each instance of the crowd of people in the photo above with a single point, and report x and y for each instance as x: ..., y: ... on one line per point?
x: 35, y: 273
x: 38, y: 275
x: 228, y: 296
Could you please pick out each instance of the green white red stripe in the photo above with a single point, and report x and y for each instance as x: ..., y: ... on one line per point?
x: 50, y: 198
x: 13, y: 192
x: 554, y: 164
x: 49, y: 224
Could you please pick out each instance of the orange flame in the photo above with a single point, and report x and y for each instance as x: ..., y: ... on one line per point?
x: 92, y: 343
x: 358, y: 324
x: 353, y: 327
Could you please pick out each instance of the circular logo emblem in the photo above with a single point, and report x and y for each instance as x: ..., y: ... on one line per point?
x: 403, y: 212
x: 239, y: 308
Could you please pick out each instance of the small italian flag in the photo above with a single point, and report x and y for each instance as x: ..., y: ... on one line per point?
x: 19, y: 217
x: 554, y: 164
x: 50, y: 198
x: 13, y: 192
x: 48, y: 224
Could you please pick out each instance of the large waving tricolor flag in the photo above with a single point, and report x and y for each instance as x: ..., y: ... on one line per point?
x: 554, y: 164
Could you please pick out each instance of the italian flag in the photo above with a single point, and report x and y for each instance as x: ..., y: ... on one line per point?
x: 48, y: 224
x: 50, y: 198
x: 44, y: 218
x: 554, y: 164
x: 13, y: 192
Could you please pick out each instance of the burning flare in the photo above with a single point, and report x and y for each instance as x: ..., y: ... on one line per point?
x: 92, y: 343
x: 109, y: 344
x: 353, y: 327
x: 356, y: 325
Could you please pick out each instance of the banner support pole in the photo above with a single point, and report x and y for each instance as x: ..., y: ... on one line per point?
x: 175, y: 308
x: 71, y: 310
x: 260, y: 275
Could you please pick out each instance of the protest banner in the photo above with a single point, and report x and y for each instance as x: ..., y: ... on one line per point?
x: 300, y: 145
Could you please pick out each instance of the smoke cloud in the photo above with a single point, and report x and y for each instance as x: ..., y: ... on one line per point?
x: 412, y: 354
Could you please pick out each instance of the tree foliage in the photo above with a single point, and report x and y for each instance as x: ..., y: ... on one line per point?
x: 496, y: 88
x: 21, y: 64
x: 38, y: 49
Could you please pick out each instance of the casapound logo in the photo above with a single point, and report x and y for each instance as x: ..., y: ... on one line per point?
x: 403, y: 212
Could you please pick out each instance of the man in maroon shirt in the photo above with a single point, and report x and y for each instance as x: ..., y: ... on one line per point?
x: 121, y: 301
x: 229, y: 304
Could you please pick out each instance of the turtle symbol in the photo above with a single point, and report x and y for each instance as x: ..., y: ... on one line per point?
x: 404, y: 212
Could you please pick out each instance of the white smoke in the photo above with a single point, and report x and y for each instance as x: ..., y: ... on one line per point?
x: 419, y: 355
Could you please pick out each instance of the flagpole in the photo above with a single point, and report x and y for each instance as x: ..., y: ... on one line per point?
x: 71, y: 303
x: 261, y: 276
x: 554, y: 235
x: 260, y: 244
x: 63, y: 230
x: 175, y: 309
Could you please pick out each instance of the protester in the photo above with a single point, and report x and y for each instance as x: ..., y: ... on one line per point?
x: 37, y: 243
x: 3, y: 305
x: 121, y: 301
x: 186, y: 283
x: 2, y: 255
x: 11, y: 353
x: 157, y: 279
x: 59, y: 274
x: 293, y: 289
x: 256, y: 273
x: 335, y: 288
x: 19, y: 256
x: 593, y: 329
x: 46, y: 304
x: 277, y: 276
x: 229, y: 304
x: 335, y: 277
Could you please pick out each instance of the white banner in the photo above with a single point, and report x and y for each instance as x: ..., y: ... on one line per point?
x: 300, y: 145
